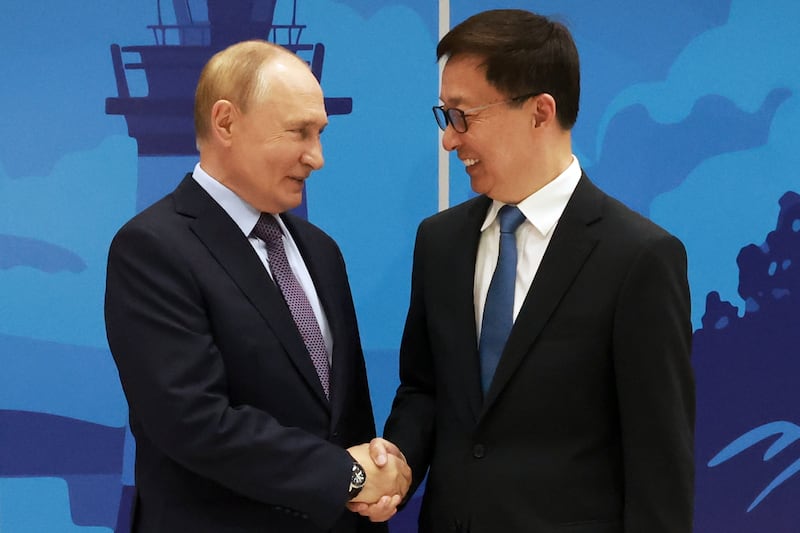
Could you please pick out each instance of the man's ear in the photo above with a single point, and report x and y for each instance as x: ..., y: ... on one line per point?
x: 223, y: 114
x: 543, y: 110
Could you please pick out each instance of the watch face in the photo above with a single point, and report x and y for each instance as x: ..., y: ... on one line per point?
x: 359, y: 476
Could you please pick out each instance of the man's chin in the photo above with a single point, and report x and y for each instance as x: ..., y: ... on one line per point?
x: 294, y: 201
x: 478, y: 186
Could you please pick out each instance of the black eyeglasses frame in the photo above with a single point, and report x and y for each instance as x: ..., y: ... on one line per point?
x: 455, y: 117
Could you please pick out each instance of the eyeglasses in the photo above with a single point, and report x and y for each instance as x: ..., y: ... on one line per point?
x: 458, y: 118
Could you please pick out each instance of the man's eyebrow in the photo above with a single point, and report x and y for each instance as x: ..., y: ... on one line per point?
x: 303, y: 124
x: 453, y: 102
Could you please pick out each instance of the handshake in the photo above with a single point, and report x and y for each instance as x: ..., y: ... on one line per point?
x: 388, y: 479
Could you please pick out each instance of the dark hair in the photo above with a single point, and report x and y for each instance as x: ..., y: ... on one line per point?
x: 523, y: 53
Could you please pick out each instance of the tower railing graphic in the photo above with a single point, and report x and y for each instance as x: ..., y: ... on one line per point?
x: 162, y: 120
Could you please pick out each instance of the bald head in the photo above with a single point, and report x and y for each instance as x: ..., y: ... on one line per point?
x: 240, y: 74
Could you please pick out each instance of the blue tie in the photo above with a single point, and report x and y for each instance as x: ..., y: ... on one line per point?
x: 498, y: 312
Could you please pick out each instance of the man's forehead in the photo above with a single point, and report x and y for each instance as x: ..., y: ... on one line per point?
x: 463, y: 80
x: 303, y: 113
x: 454, y: 95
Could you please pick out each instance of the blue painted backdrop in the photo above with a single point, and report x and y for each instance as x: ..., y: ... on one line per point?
x: 689, y: 114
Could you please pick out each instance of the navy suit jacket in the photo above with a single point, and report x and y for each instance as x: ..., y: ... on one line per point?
x: 233, y: 430
x: 588, y: 424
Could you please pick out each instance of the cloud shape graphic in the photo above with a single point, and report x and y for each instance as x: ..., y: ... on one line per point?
x: 728, y: 200
x: 38, y: 254
x: 60, y: 226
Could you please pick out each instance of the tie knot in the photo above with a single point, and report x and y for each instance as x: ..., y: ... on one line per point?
x: 510, y: 218
x: 267, y: 229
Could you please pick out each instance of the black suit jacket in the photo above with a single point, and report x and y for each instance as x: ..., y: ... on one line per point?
x: 588, y: 424
x: 233, y: 431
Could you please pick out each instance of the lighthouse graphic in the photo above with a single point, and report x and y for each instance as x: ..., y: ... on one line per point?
x: 162, y: 120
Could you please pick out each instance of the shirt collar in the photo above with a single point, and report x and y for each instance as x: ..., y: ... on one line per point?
x: 544, y: 207
x: 243, y: 214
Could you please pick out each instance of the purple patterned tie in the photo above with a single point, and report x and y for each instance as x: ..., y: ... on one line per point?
x: 268, y: 230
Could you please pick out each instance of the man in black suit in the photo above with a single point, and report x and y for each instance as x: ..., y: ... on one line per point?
x: 582, y: 420
x: 245, y: 394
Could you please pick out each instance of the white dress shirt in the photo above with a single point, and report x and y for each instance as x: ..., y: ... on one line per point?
x: 542, y: 210
x: 245, y: 216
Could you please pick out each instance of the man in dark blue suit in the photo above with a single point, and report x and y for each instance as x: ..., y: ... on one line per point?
x: 555, y: 394
x: 232, y: 325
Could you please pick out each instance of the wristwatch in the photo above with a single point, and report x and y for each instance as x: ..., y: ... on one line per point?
x: 357, y: 479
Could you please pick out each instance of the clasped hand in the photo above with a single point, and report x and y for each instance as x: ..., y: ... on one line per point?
x: 388, y: 479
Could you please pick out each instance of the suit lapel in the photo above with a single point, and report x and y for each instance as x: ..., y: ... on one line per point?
x: 566, y: 254
x: 461, y: 277
x: 231, y: 249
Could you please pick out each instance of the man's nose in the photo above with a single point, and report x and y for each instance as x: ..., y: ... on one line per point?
x: 450, y: 138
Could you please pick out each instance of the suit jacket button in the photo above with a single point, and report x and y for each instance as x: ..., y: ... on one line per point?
x: 478, y: 451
